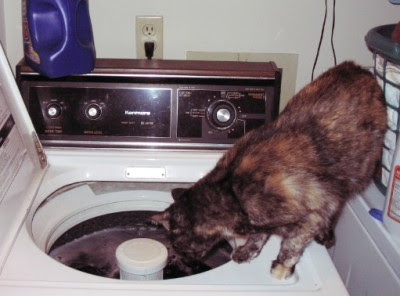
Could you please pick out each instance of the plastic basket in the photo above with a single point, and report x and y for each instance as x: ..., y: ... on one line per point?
x: 386, y: 55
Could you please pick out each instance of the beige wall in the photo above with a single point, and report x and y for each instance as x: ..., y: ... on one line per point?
x: 250, y: 26
x: 2, y: 24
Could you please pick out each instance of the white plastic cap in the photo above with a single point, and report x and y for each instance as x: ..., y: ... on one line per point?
x: 141, y: 257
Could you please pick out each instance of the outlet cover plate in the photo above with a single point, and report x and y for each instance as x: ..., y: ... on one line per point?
x: 149, y: 29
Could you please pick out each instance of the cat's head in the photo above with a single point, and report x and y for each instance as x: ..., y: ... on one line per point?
x: 187, y: 226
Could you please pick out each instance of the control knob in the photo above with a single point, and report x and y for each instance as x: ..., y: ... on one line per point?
x: 221, y: 114
x: 93, y: 111
x: 53, y: 110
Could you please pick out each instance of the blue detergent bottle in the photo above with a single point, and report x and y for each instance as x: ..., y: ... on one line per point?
x: 57, y: 36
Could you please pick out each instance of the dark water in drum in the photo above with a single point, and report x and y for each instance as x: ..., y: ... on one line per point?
x: 90, y: 246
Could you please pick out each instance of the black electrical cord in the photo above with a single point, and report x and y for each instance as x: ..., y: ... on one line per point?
x: 320, y: 40
x: 333, y: 31
x: 322, y: 36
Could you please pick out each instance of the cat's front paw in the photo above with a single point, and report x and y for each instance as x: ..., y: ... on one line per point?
x: 280, y: 271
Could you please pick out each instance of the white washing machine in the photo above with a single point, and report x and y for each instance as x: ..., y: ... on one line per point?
x: 46, y: 193
x: 366, y: 255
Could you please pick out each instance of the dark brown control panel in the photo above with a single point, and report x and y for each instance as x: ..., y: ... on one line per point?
x: 152, y: 104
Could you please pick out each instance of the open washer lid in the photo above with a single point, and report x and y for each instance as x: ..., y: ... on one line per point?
x: 22, y: 159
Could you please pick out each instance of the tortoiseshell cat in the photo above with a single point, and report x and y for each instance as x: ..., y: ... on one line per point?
x: 291, y: 177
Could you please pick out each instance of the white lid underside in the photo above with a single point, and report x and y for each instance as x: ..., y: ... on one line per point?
x: 22, y: 160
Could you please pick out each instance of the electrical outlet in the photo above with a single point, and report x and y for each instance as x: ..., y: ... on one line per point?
x: 149, y: 29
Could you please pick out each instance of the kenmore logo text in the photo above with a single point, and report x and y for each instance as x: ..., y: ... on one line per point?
x: 138, y: 113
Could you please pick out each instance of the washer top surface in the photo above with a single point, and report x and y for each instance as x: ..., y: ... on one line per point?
x: 29, y: 269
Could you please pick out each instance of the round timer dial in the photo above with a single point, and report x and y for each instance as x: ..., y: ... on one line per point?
x: 221, y: 114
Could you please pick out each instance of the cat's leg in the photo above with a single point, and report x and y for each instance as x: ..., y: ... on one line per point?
x: 291, y: 250
x: 251, y: 248
x: 294, y: 241
x: 326, y: 237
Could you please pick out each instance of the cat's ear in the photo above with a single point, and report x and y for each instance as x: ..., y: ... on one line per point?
x: 177, y: 193
x: 162, y: 218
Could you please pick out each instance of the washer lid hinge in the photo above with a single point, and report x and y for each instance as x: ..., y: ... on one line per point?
x: 39, y: 151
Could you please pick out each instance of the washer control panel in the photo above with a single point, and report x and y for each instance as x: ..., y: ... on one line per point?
x: 178, y: 111
x: 126, y: 112
x: 220, y: 113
